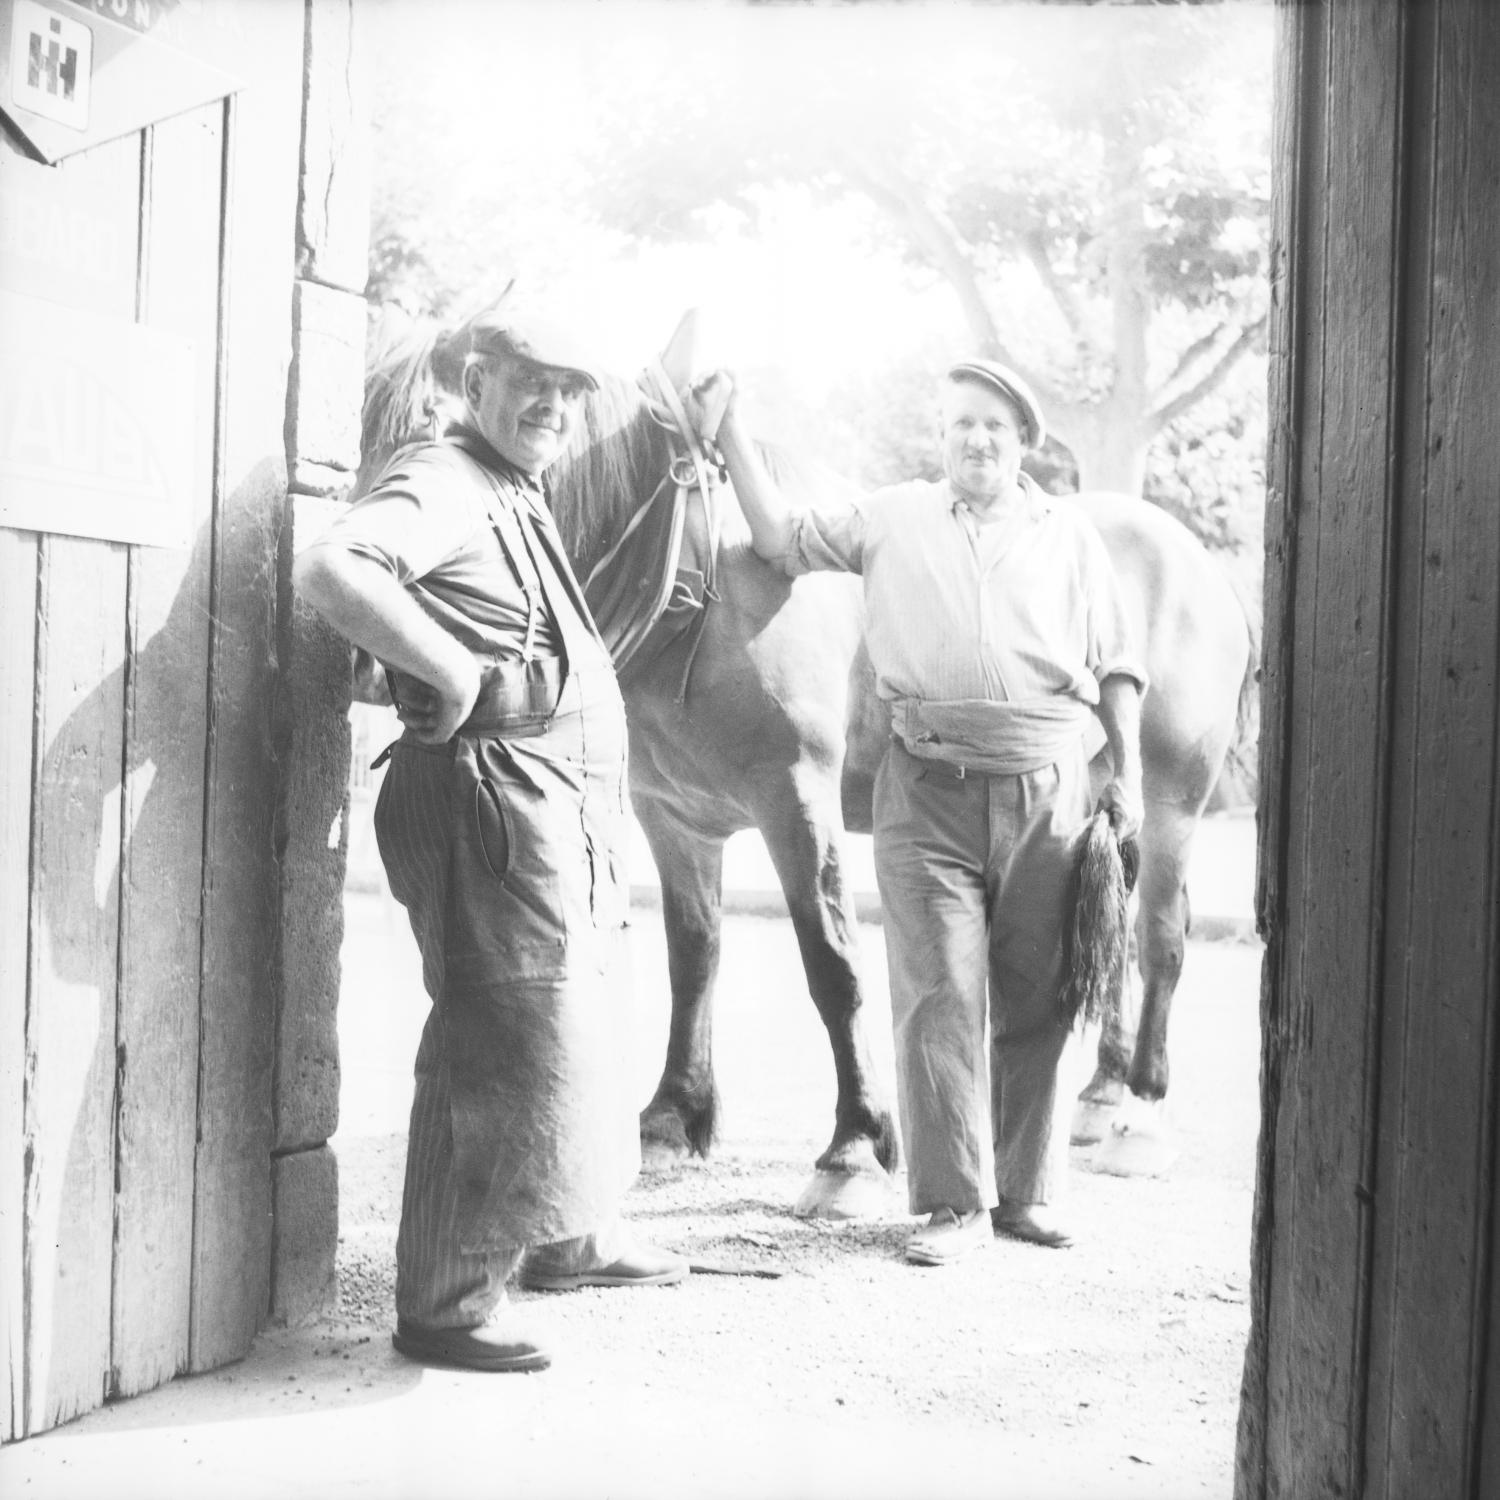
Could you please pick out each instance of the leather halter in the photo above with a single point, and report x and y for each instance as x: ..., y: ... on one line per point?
x: 691, y: 474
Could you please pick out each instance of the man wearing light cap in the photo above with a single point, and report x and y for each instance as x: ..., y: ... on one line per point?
x: 996, y: 630
x: 501, y: 826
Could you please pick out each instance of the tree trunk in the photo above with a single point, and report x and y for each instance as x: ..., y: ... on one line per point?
x: 1108, y: 444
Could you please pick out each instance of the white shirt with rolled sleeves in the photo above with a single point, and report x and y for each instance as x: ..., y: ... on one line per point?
x: 1020, y: 611
x: 1011, y: 611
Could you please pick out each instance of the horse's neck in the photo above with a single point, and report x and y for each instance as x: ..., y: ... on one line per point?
x: 600, y: 489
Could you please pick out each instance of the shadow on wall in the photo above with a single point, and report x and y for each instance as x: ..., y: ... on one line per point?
x: 154, y: 814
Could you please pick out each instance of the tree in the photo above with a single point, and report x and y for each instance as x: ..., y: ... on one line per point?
x: 1090, y: 184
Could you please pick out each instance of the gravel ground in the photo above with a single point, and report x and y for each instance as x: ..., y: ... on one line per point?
x: 1109, y: 1371
x: 1118, y: 1359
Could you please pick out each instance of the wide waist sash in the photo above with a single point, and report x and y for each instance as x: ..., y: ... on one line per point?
x: 517, y: 698
x: 520, y: 699
x: 995, y: 739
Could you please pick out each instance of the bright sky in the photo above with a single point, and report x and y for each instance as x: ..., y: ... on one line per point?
x: 802, y: 293
x: 809, y: 295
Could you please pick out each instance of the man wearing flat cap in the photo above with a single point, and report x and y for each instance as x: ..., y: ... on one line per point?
x: 996, y: 630
x: 500, y: 823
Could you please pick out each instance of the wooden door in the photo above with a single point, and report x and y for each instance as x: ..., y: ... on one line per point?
x: 1374, y: 1362
x: 137, y: 779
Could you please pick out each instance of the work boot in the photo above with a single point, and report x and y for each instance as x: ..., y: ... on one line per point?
x: 948, y: 1236
x: 501, y: 1343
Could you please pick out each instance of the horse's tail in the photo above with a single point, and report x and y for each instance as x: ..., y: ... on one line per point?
x: 1242, y: 758
x: 1096, y: 930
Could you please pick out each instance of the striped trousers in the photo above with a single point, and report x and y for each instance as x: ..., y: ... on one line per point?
x: 505, y: 857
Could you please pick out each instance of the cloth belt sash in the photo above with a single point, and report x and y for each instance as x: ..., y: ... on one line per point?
x: 995, y: 738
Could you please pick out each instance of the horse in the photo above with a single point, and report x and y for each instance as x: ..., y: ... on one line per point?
x: 750, y: 704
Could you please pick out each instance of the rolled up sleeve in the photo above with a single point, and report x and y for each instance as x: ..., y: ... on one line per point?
x: 830, y: 540
x: 1112, y: 648
x: 413, y: 517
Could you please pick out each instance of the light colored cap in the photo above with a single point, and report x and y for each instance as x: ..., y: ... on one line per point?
x: 541, y: 339
x: 1010, y: 385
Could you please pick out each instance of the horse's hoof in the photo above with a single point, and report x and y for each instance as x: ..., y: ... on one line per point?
x: 664, y: 1143
x: 1140, y: 1143
x: 1091, y: 1120
x: 844, y: 1195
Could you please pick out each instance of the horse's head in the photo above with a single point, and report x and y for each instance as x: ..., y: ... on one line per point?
x: 630, y: 441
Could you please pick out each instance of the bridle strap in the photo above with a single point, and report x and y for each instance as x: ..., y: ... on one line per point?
x: 689, y: 470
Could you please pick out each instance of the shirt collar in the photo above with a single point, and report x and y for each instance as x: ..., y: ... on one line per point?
x: 478, y: 446
x: 1036, y: 503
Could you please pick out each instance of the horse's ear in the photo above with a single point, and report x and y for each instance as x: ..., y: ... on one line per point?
x: 678, y: 358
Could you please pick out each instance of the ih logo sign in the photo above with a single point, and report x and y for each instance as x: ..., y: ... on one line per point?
x: 51, y: 58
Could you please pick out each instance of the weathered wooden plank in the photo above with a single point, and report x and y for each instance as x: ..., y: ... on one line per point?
x: 1373, y: 1368
x: 70, y: 1058
x: 1332, y: 773
x: 18, y: 579
x: 1437, y: 1170
x: 70, y: 1044
x: 1297, y: 175
x: 232, y: 1220
x: 165, y: 733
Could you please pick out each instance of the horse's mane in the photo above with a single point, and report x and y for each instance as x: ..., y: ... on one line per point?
x: 608, y: 472
x: 411, y: 385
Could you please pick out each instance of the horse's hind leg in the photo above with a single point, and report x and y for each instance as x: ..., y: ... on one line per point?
x: 1101, y: 1097
x: 682, y: 1117
x: 1139, y: 1143
x: 850, y: 1176
x: 1161, y: 934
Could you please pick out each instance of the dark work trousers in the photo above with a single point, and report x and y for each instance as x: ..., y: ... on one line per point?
x: 973, y: 874
x: 508, y: 856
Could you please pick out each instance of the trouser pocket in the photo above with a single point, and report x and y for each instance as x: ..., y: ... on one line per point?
x: 520, y: 864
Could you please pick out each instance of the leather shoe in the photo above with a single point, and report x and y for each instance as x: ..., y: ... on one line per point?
x: 948, y: 1236
x: 641, y: 1265
x: 1031, y: 1221
x: 498, y: 1345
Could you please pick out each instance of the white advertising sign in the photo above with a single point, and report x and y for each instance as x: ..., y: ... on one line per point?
x: 51, y: 64
x: 96, y: 425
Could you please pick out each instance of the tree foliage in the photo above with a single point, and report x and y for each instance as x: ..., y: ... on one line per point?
x: 1089, y: 185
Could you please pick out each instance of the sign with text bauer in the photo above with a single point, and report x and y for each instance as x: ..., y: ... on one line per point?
x: 96, y: 425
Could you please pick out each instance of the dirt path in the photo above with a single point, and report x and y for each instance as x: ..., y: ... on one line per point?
x: 1109, y: 1368
x: 1106, y: 1372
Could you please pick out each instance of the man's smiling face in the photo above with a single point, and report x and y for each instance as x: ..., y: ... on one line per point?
x: 524, y: 410
x: 982, y: 440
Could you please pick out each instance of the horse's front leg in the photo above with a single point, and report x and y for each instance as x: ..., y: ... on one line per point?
x: 682, y: 1117
x: 850, y: 1178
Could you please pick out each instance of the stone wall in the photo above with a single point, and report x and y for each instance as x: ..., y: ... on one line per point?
x: 324, y: 397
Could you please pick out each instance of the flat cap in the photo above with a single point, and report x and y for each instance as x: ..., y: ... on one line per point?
x: 543, y: 339
x: 1010, y: 385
